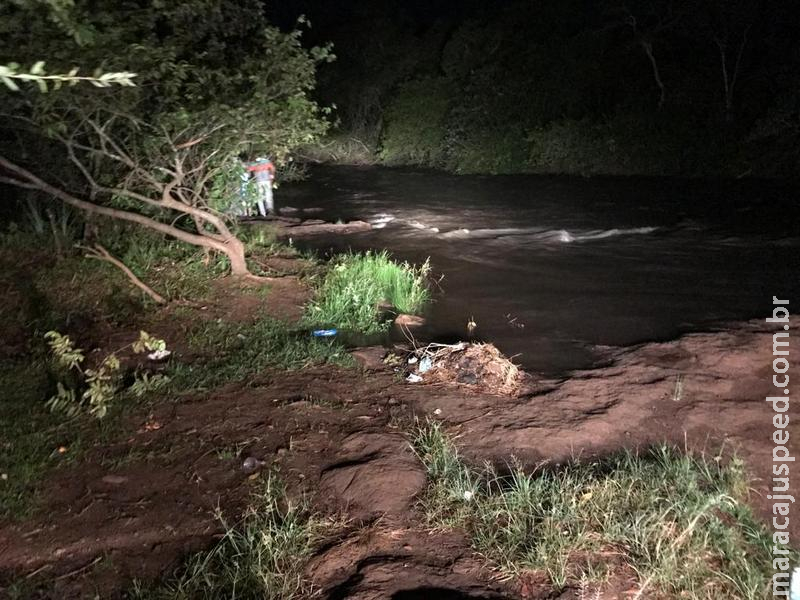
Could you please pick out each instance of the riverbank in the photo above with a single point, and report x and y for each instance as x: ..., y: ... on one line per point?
x: 128, y: 500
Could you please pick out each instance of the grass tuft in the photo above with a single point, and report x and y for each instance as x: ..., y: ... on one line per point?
x: 678, y: 521
x: 227, y: 352
x: 261, y: 558
x: 356, y: 285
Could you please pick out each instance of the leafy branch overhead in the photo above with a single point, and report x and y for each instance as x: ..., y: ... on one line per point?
x: 10, y: 74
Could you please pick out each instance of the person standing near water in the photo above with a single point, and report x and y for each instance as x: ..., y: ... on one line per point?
x: 264, y: 173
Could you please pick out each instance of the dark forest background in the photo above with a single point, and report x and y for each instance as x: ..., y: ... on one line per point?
x: 565, y: 86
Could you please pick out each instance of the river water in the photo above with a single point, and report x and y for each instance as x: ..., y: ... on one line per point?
x: 553, y: 268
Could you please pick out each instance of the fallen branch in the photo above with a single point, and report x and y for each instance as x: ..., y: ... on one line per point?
x: 100, y: 253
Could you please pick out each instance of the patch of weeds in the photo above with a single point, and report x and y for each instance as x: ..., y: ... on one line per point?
x: 263, y: 557
x: 259, y: 291
x: 356, y: 285
x: 234, y: 351
x: 227, y: 452
x: 679, y: 521
x: 261, y: 238
x: 32, y: 439
x: 84, y: 389
x: 175, y: 269
x: 131, y: 455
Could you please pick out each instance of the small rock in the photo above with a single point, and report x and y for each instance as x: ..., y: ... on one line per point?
x: 370, y: 358
x: 115, y: 479
x: 403, y: 320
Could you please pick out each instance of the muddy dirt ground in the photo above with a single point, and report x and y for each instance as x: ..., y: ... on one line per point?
x: 136, y: 506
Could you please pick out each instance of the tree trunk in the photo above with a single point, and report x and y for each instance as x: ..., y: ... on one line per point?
x: 648, y: 50
x: 235, y: 253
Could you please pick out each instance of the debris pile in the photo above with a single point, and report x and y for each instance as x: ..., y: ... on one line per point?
x: 480, y: 365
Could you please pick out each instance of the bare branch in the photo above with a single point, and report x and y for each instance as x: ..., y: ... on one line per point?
x: 100, y: 253
x: 31, y: 181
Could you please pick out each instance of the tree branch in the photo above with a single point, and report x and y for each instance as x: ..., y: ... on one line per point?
x: 30, y: 181
x: 100, y: 253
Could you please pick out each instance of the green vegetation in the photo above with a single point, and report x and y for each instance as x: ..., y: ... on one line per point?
x: 260, y: 558
x: 643, y: 87
x: 677, y: 520
x: 163, y: 154
x: 83, y: 389
x: 98, y: 313
x: 415, y: 123
x: 356, y: 286
x: 233, y: 351
x: 31, y: 435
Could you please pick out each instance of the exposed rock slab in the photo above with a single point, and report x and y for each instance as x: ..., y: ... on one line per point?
x: 396, y: 564
x: 315, y: 227
x: 375, y: 474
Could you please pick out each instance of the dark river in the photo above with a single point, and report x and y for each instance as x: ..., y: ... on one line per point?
x: 550, y: 268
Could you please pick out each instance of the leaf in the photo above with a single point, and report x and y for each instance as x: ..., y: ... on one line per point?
x: 38, y: 68
x: 10, y: 83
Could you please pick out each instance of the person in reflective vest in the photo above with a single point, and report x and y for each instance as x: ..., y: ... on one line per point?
x: 263, y: 172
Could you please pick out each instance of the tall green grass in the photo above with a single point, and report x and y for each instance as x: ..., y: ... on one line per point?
x: 679, y: 521
x: 356, y: 285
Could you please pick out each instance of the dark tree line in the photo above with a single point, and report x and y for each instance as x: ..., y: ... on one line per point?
x: 618, y: 86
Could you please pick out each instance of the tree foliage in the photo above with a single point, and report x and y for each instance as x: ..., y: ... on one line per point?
x: 215, y: 80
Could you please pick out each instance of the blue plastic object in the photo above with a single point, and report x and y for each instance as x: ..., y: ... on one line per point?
x: 324, y: 332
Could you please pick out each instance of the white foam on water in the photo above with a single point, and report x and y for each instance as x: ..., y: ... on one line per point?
x: 607, y: 233
x: 548, y: 235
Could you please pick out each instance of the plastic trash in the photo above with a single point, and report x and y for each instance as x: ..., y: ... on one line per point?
x: 252, y: 464
x: 413, y: 378
x: 324, y: 332
x: 159, y: 354
x: 425, y: 365
x: 412, y: 360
